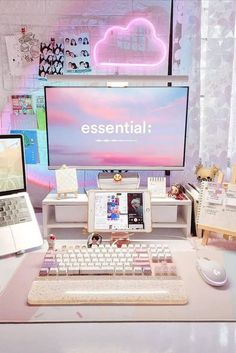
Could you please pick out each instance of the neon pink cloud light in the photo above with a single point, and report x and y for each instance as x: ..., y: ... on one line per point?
x: 119, y: 46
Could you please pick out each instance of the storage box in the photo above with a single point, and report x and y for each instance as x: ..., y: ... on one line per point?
x: 71, y: 214
x: 164, y: 214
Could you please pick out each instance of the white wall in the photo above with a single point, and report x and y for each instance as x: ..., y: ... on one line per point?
x: 55, y: 18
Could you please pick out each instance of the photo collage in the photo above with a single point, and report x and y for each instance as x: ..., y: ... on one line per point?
x: 77, y: 54
x: 67, y: 56
x: 51, y: 58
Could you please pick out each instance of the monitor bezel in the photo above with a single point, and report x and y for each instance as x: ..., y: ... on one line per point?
x: 121, y: 167
x: 20, y: 137
x: 147, y: 216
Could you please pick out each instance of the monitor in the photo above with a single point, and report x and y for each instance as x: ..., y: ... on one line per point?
x: 123, y: 211
x: 117, y: 128
x: 12, y: 171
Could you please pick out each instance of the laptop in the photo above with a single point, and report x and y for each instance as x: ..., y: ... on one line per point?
x: 19, y: 229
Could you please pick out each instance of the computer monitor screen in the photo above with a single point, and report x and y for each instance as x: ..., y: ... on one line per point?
x: 139, y: 128
x: 12, y: 172
x: 111, y: 211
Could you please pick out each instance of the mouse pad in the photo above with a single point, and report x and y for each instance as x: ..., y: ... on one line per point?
x: 206, y: 303
x: 13, y: 300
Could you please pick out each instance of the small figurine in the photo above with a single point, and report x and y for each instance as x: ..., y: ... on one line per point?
x: 51, y: 242
x: 177, y: 192
x: 206, y: 174
x: 94, y: 239
x: 117, y: 177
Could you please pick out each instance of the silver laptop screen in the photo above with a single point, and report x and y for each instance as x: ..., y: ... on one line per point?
x: 12, y: 171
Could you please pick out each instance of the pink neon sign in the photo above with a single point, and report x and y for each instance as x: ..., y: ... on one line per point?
x: 134, y: 45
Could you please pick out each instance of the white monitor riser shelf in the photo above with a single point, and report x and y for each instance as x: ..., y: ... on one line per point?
x: 170, y: 217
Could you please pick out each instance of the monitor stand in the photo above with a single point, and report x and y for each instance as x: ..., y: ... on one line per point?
x: 167, y: 176
x: 118, y: 180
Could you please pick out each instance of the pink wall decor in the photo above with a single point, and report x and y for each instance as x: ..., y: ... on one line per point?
x: 135, y: 45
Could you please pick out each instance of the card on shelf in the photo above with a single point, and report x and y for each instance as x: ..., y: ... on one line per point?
x: 66, y: 180
x: 157, y: 186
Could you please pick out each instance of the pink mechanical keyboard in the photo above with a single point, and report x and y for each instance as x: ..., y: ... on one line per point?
x: 134, y: 273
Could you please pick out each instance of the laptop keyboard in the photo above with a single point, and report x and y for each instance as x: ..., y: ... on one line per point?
x: 13, y: 210
x: 106, y: 274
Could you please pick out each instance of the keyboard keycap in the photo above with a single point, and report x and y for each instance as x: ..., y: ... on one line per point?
x: 130, y: 260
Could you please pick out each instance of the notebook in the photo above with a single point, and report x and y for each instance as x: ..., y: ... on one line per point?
x: 19, y: 229
x: 217, y: 207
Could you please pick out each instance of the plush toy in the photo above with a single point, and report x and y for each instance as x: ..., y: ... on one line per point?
x: 177, y: 192
x: 206, y: 174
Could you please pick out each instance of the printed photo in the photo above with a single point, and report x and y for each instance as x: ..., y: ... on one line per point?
x: 77, y: 54
x: 51, y: 58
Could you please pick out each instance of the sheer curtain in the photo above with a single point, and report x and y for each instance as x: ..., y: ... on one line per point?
x: 186, y: 61
x: 218, y: 84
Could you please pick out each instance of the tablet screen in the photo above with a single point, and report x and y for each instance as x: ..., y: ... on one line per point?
x: 119, y: 210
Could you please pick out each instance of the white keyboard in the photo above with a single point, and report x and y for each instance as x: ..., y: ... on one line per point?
x: 134, y: 274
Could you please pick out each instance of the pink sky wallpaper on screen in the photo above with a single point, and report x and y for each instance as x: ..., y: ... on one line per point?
x: 131, y: 127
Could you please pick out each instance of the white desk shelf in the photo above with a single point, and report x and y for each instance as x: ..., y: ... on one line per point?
x: 169, y: 216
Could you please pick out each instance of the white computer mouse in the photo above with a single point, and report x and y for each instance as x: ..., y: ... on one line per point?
x: 211, y: 271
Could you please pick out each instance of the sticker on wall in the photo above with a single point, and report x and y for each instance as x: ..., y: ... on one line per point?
x: 23, y: 121
x: 51, y: 58
x: 22, y: 104
x: 77, y: 54
x: 29, y: 46
x: 22, y: 50
x: 16, y: 66
x: 30, y: 145
x: 42, y: 147
x: 40, y: 113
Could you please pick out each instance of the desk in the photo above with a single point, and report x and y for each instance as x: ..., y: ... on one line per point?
x: 206, y: 303
x: 139, y: 337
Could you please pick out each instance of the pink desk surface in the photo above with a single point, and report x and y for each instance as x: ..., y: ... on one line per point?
x: 13, y: 300
x: 206, y: 303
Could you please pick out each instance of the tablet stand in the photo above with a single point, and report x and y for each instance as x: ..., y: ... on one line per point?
x: 120, y: 238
